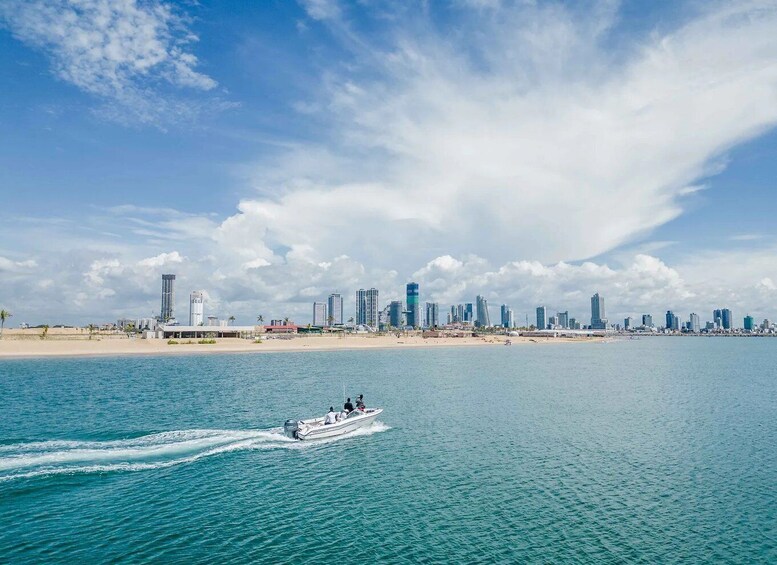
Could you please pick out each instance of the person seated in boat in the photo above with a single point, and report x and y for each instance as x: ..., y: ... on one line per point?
x: 348, y: 406
x: 342, y: 415
x: 330, y: 416
x: 360, y: 403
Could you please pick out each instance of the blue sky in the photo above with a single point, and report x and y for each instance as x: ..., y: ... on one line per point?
x: 272, y: 152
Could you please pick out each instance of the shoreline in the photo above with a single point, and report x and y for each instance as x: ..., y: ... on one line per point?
x: 113, y: 347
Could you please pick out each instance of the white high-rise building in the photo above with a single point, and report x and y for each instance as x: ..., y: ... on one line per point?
x: 367, y: 307
x: 319, y: 314
x: 335, y: 309
x: 196, y: 308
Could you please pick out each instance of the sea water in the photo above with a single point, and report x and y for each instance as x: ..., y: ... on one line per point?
x: 654, y: 450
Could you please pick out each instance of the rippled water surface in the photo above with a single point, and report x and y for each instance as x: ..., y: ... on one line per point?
x: 657, y: 450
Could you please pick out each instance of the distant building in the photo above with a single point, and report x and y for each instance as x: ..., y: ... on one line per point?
x: 335, y: 309
x: 507, y: 317
x: 563, y: 319
x: 749, y: 323
x: 396, y: 314
x: 598, y: 318
x: 319, y: 314
x: 469, y: 315
x: 628, y: 323
x: 727, y: 319
x: 693, y: 323
x: 542, y: 318
x: 647, y: 320
x: 272, y: 322
x: 552, y: 322
x: 432, y: 314
x: 196, y: 308
x: 717, y: 318
x: 168, y: 297
x: 413, y: 306
x: 672, y: 321
x: 483, y: 318
x: 213, y: 321
x: 367, y: 307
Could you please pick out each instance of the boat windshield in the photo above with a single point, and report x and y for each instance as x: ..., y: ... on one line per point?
x: 355, y: 413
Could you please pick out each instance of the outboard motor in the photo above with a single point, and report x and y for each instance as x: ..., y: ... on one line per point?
x: 290, y: 428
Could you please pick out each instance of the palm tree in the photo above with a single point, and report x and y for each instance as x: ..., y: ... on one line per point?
x: 91, y: 327
x: 4, y: 315
x: 259, y: 319
x: 286, y: 321
x: 231, y: 319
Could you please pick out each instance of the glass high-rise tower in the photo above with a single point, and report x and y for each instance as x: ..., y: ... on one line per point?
x: 413, y: 306
x: 481, y: 306
x: 598, y: 319
x: 168, y: 297
x: 542, y: 318
x: 335, y: 309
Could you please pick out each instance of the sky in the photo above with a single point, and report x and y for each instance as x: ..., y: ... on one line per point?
x: 270, y: 153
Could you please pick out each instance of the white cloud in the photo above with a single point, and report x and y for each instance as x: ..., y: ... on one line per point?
x: 518, y: 136
x: 11, y: 266
x: 322, y: 9
x: 114, y: 50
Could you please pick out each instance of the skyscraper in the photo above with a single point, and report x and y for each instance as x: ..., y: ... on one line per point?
x: 335, y: 309
x: 694, y: 324
x: 507, y: 317
x: 598, y: 319
x: 542, y: 318
x: 367, y: 307
x: 468, y: 313
x: 483, y: 319
x: 563, y: 319
x: 749, y: 323
x: 196, y: 308
x: 647, y: 320
x: 432, y: 314
x: 168, y: 297
x: 396, y: 314
x: 413, y: 306
x: 672, y: 321
x: 717, y: 318
x: 726, y: 318
x: 628, y: 323
x: 319, y: 314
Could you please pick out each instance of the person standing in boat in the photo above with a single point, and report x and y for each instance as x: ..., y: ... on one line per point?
x: 348, y: 406
x: 331, y: 417
x: 360, y: 402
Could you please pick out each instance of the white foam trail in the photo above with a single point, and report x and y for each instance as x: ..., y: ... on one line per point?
x: 154, y: 451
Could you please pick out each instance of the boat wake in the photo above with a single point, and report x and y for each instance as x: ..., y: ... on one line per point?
x: 154, y: 451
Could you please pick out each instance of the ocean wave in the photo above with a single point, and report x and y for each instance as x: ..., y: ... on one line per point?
x: 149, y: 452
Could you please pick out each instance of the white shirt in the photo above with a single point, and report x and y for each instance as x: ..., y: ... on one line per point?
x: 330, y: 418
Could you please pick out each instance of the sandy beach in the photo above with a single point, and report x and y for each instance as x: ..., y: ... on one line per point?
x: 61, y: 343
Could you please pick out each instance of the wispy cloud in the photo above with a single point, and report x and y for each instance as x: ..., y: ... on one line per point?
x: 747, y: 237
x: 517, y: 134
x: 118, y: 51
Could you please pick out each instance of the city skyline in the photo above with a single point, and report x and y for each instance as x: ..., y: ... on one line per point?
x: 219, y: 183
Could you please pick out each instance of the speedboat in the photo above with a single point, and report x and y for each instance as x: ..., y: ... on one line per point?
x: 316, y: 429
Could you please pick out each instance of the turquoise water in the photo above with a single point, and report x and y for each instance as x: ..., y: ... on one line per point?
x: 657, y: 450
